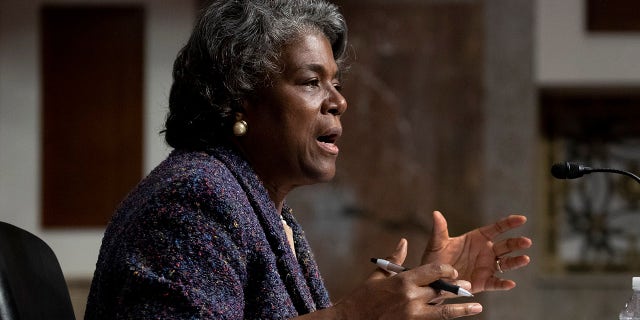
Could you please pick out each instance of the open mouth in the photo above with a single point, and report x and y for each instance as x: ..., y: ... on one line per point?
x: 328, y: 138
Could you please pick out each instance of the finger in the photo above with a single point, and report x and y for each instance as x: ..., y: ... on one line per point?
x: 440, y: 232
x: 439, y: 235
x: 400, y: 253
x: 431, y: 294
x: 463, y: 284
x: 451, y: 311
x: 398, y: 256
x: 504, y: 225
x: 507, y: 246
x: 513, y: 263
x: 497, y: 284
x: 425, y: 274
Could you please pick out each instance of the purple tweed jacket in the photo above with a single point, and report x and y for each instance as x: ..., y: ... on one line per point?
x: 199, y: 238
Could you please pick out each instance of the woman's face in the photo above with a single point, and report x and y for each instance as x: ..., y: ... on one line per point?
x: 295, y: 123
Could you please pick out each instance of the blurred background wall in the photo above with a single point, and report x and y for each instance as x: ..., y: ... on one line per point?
x: 444, y: 114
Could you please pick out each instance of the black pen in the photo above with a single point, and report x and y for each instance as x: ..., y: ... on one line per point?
x: 437, y: 285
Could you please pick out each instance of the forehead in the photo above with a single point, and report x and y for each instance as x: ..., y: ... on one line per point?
x: 309, y: 50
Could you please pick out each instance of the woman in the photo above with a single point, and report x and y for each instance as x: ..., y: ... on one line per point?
x: 254, y: 112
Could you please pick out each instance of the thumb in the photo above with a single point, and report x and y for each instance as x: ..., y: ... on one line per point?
x: 439, y: 237
x: 398, y: 256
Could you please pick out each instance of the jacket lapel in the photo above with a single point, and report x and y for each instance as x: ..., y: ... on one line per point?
x: 307, y: 262
x: 288, y: 268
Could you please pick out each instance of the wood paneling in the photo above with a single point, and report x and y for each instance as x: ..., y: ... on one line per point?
x: 613, y: 15
x: 590, y: 113
x: 415, y: 90
x: 92, y: 68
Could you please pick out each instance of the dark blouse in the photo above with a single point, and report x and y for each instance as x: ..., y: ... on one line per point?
x: 199, y: 238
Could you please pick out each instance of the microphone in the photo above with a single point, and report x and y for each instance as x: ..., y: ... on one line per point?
x: 570, y: 170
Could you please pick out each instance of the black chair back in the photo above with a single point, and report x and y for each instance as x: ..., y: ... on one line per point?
x: 32, y: 285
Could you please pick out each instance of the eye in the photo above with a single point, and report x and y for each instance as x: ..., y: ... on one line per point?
x: 312, y: 83
x: 338, y: 86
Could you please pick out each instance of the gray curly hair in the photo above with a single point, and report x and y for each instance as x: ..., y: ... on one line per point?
x: 234, y: 47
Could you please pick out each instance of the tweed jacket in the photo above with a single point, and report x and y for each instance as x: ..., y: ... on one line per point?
x: 199, y: 238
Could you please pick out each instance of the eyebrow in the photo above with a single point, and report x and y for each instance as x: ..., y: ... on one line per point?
x: 319, y: 68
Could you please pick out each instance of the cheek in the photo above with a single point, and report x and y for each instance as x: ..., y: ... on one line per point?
x: 301, y: 126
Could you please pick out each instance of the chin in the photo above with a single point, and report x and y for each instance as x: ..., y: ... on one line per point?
x: 321, y: 176
x: 327, y: 178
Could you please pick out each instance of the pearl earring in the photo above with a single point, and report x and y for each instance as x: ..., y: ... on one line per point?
x: 240, y: 128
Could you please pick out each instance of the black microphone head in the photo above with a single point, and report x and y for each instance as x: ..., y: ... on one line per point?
x: 568, y: 170
x: 559, y: 170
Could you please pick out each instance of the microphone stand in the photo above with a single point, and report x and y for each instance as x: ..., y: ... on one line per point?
x: 622, y: 172
x: 570, y: 170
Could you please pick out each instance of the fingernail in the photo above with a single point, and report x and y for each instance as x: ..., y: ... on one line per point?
x: 399, y: 246
x: 475, y: 308
x: 464, y: 284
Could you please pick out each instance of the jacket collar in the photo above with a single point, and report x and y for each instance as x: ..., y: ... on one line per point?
x: 302, y: 290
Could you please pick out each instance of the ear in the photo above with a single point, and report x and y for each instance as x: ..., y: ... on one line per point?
x: 244, y: 104
x: 244, y: 108
x: 239, y: 109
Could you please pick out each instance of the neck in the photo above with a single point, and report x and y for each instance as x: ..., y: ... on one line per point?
x: 276, y: 194
x: 276, y: 187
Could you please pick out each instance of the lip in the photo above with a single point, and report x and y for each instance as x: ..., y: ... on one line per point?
x: 327, y: 140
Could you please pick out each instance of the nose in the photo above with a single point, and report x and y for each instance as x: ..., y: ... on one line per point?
x: 335, y: 103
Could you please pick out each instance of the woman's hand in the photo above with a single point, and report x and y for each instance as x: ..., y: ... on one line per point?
x: 475, y: 254
x: 405, y: 295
